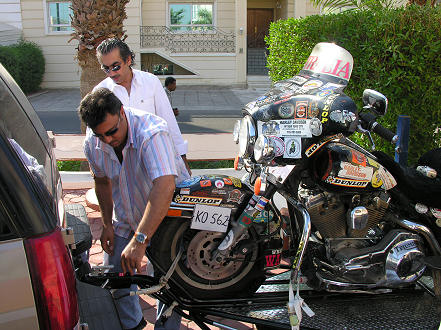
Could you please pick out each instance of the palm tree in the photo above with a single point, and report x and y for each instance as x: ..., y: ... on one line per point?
x: 93, y: 21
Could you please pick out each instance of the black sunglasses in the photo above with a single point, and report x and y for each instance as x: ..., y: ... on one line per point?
x: 109, y: 132
x: 107, y: 69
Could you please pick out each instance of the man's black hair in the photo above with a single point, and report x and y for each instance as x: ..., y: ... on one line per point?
x: 106, y: 46
x: 169, y: 80
x: 95, y: 106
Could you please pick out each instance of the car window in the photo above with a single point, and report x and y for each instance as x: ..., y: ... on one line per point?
x: 23, y: 137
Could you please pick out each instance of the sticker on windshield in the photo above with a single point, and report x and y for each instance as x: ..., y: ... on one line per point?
x: 211, y: 218
x: 286, y: 110
x: 279, y: 146
x: 293, y: 148
x: 286, y: 128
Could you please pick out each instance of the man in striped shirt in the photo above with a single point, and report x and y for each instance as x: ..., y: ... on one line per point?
x: 135, y: 168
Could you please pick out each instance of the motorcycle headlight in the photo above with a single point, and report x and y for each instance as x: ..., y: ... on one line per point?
x: 247, y: 137
x: 236, y: 131
x: 264, y: 149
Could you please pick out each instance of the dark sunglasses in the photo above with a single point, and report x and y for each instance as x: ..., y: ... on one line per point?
x: 106, y: 69
x: 109, y: 132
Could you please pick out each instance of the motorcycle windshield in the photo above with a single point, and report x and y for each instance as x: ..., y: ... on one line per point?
x: 330, y: 61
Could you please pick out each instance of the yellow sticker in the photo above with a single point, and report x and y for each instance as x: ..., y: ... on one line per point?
x: 376, y: 180
x: 236, y: 181
x: 373, y: 163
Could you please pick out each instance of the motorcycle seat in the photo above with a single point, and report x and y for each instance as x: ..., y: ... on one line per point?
x: 416, y: 186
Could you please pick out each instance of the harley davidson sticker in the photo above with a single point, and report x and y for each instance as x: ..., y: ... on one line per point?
x: 346, y: 182
x: 301, y: 109
x: 351, y: 171
x: 197, y: 200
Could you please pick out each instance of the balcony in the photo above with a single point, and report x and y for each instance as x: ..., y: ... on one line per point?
x: 210, y: 41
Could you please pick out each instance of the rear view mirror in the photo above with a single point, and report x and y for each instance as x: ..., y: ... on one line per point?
x: 375, y: 101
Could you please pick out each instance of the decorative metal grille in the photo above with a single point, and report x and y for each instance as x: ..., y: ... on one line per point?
x: 213, y: 41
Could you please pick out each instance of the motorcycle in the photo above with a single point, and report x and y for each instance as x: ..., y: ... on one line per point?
x: 358, y: 221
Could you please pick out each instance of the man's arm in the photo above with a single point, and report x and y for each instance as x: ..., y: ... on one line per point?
x: 103, y: 191
x: 157, y: 206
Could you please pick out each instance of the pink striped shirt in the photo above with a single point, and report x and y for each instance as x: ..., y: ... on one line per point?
x: 148, y: 154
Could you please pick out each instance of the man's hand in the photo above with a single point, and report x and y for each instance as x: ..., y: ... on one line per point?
x: 156, y: 209
x: 131, y: 256
x: 107, y: 239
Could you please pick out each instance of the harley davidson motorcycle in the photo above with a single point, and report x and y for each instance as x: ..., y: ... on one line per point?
x: 358, y: 221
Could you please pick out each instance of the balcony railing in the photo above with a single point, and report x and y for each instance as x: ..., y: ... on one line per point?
x: 212, y: 41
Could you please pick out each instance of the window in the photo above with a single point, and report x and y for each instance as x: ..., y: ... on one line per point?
x: 58, y: 16
x: 191, y: 17
x: 162, y: 69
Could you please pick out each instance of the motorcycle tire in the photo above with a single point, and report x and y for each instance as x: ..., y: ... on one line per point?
x: 196, y: 275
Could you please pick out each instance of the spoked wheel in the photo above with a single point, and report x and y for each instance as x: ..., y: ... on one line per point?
x: 196, y: 272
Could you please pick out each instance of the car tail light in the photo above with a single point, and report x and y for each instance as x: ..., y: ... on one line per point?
x: 53, y: 281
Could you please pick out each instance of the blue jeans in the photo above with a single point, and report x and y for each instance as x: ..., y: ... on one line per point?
x: 129, y: 309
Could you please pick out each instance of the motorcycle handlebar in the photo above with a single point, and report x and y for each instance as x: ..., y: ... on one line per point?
x: 369, y: 122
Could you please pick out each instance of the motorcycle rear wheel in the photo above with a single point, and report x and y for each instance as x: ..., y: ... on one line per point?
x: 195, y: 273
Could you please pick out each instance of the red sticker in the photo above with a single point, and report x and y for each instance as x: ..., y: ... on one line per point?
x: 205, y: 183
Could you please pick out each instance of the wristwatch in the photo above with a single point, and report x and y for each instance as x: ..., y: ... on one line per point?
x: 140, y: 237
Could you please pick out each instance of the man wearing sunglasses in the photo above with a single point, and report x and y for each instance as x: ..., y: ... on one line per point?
x: 137, y: 89
x: 135, y: 168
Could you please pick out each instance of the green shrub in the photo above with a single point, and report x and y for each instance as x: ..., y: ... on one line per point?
x: 75, y: 165
x: 396, y: 52
x: 25, y: 62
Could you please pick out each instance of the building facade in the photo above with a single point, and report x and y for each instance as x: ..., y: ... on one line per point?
x: 199, y: 42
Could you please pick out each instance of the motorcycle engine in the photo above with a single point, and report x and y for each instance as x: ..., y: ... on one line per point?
x: 345, y: 258
x: 329, y: 212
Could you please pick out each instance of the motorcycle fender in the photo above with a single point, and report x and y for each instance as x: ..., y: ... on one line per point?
x: 209, y: 189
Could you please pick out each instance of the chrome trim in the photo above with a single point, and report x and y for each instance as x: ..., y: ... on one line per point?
x: 247, y: 127
x: 305, y: 234
x: 419, y: 229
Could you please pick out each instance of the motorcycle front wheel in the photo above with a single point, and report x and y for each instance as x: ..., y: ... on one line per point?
x: 196, y: 274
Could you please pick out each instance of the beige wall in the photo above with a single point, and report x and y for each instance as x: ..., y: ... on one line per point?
x: 230, y: 15
x: 61, y: 69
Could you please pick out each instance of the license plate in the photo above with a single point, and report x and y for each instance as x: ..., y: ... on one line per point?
x: 212, y: 218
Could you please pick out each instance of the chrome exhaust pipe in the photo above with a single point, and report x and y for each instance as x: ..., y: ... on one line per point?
x: 419, y: 229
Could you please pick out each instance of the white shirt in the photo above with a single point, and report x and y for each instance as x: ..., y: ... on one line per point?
x: 147, y: 94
